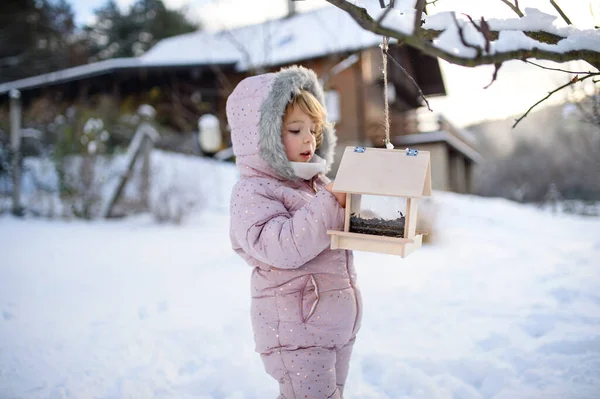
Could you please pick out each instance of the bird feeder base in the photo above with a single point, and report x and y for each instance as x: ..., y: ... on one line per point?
x: 372, y: 243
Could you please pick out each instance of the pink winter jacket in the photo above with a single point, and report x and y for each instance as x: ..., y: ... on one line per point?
x: 303, y: 293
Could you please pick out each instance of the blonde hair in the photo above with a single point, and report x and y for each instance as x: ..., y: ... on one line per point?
x: 309, y: 104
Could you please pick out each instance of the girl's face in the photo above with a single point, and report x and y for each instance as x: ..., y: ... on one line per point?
x: 298, y: 135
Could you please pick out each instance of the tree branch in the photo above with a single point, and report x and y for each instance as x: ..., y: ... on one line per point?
x: 240, y: 48
x: 558, y: 69
x: 560, y: 11
x: 463, y: 40
x: 514, y: 7
x: 420, y: 7
x: 385, y: 13
x: 423, y: 43
x: 223, y: 79
x: 484, y: 29
x: 571, y: 82
x: 410, y: 78
x: 495, y: 76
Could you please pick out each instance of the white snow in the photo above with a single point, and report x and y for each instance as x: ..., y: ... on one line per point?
x: 328, y: 30
x: 208, y: 121
x: 147, y: 111
x: 505, y: 305
x: 401, y: 20
x: 511, y: 37
x: 93, y: 125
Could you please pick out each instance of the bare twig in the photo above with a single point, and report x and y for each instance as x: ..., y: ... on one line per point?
x: 462, y: 37
x: 557, y: 69
x: 484, y: 29
x: 514, y: 7
x: 560, y: 11
x: 241, y: 48
x: 571, y: 82
x: 420, y: 7
x: 385, y: 13
x: 495, y: 76
x: 382, y: 3
x: 410, y: 78
x: 267, y: 40
x: 223, y: 79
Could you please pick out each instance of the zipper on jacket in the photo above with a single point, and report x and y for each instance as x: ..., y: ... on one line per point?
x: 311, y: 183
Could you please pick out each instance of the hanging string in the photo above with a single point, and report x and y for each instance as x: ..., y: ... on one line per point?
x: 386, y: 111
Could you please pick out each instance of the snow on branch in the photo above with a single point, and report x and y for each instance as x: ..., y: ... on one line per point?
x: 535, y: 35
x: 461, y: 40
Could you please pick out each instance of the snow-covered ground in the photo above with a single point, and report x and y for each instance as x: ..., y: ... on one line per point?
x: 506, y: 304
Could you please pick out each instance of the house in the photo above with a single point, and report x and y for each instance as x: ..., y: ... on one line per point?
x: 189, y: 75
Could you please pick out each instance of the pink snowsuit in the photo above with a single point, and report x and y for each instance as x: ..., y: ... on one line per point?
x: 306, y: 306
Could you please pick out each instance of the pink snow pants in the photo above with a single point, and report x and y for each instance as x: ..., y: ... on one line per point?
x: 313, y: 373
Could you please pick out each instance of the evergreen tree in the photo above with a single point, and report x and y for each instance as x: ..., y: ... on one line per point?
x: 36, y: 36
x: 130, y: 34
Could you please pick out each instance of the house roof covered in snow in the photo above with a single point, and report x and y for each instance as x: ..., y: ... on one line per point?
x: 95, y: 68
x: 303, y: 36
x: 317, y: 33
x: 438, y: 137
x: 84, y: 71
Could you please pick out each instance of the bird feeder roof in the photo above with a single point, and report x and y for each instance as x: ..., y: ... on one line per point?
x: 379, y: 171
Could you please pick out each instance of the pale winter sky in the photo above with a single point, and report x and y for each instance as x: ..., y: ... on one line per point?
x: 518, y: 85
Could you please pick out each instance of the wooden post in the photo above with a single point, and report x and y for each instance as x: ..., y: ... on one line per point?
x: 145, y: 135
x: 145, y: 172
x: 335, y: 242
x: 291, y: 8
x: 15, y: 142
x: 410, y: 220
x: 347, y: 212
x: 352, y: 206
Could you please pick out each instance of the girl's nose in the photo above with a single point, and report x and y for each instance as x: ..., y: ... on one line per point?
x: 307, y: 137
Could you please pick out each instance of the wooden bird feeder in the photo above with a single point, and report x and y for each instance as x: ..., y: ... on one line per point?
x: 381, y: 172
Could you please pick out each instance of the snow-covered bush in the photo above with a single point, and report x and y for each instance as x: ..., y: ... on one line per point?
x: 172, y: 197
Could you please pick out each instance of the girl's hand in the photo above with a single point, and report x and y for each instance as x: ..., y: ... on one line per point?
x: 340, y: 197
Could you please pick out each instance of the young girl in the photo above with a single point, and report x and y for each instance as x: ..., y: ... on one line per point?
x: 306, y: 306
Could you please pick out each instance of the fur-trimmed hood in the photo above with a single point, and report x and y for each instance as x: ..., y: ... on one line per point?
x: 255, y: 113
